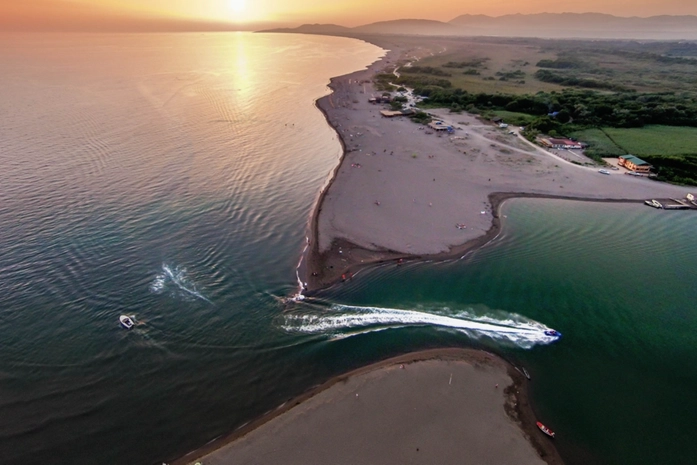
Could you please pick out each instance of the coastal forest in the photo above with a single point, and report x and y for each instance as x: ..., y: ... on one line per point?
x: 618, y: 96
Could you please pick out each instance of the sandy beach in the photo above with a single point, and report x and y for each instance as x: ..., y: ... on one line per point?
x: 402, y: 191
x: 448, y: 406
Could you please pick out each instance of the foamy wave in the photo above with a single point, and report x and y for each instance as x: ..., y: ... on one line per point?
x: 342, y: 321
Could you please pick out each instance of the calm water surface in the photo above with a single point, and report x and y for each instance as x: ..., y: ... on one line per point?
x: 171, y: 177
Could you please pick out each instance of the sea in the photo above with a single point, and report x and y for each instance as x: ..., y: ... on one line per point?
x: 171, y: 178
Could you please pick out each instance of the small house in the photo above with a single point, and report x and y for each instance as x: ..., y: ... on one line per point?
x: 635, y: 164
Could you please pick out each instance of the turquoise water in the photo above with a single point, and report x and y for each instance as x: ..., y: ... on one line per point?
x: 171, y: 177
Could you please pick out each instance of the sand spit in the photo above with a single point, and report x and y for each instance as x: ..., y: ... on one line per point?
x: 438, y: 406
x: 403, y: 191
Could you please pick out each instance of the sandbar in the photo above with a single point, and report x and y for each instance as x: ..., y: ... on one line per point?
x: 445, y: 406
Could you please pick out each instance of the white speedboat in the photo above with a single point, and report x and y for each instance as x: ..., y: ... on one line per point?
x: 126, y: 321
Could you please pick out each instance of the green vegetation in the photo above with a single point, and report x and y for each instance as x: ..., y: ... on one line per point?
x: 559, y: 63
x: 382, y: 81
x: 569, y: 111
x: 421, y: 117
x: 473, y: 63
x: 565, y: 80
x: 677, y: 169
x: 422, y: 81
x: 592, y: 90
x: 511, y: 117
x: 510, y: 75
x: 656, y: 140
x: 599, y: 144
x: 604, y: 65
x: 578, y: 108
x: 672, y: 150
x: 424, y: 70
x: 396, y: 106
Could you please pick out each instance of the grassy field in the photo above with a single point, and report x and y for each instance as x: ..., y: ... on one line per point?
x: 655, y: 140
x: 599, y: 143
x: 501, y: 58
x: 645, y: 67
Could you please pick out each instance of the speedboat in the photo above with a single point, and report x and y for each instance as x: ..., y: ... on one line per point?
x: 603, y: 172
x: 553, y: 332
x: 546, y: 430
x: 126, y: 321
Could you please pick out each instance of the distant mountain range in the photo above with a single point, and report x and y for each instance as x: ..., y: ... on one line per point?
x: 548, y: 25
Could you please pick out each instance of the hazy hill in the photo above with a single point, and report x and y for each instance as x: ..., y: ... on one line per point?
x: 548, y: 25
x: 313, y: 29
x: 584, y: 25
x: 410, y: 26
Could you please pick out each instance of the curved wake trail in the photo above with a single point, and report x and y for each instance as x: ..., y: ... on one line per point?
x: 178, y: 277
x: 346, y: 321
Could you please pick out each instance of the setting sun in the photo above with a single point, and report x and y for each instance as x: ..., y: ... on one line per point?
x: 237, y: 6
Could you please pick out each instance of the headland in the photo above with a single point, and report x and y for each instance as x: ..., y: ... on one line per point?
x: 404, y: 191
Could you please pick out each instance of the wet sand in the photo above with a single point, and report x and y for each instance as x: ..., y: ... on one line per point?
x: 402, y: 193
x: 442, y: 407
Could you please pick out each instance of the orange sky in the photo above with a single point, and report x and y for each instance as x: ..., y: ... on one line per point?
x: 39, y: 14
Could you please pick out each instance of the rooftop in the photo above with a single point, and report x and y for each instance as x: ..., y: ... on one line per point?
x: 636, y: 160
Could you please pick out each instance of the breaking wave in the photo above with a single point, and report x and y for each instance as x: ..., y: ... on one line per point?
x: 341, y: 321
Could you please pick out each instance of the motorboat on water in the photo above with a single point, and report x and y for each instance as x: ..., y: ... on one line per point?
x: 553, y: 332
x: 523, y: 372
x: 546, y: 430
x: 126, y: 321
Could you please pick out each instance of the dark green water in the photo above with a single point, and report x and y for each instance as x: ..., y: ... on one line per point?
x: 174, y: 182
x: 620, y: 283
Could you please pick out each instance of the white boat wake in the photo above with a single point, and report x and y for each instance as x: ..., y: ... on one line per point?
x: 342, y: 321
x: 178, y: 277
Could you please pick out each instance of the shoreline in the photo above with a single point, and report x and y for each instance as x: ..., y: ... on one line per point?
x: 517, y: 406
x: 308, y: 263
x: 362, y: 258
x: 345, y: 237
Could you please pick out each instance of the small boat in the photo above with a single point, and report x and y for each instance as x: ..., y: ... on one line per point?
x: 546, y: 430
x: 126, y: 321
x: 552, y: 332
x: 525, y: 372
x: 603, y: 172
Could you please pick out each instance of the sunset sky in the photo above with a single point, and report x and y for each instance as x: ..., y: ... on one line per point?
x: 248, y: 14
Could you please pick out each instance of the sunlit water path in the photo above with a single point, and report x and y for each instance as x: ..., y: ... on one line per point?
x: 171, y: 177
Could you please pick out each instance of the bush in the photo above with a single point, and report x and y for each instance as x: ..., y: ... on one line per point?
x: 425, y: 70
x: 421, y: 117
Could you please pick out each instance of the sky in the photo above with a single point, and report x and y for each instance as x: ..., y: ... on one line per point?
x: 253, y: 14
